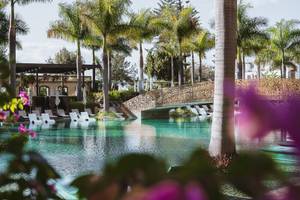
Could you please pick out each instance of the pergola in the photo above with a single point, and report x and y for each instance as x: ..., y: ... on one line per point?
x: 41, y: 68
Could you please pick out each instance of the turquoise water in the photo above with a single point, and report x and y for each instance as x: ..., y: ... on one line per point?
x: 78, y: 151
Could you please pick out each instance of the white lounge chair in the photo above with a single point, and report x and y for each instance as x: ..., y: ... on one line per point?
x: 61, y: 113
x: 89, y: 111
x: 46, y: 119
x: 84, y: 117
x: 34, y: 119
x: 50, y: 113
x: 74, y: 117
x: 37, y: 112
x: 76, y: 111
x: 23, y: 114
x: 193, y: 110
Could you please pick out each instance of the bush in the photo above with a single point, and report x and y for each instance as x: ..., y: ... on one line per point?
x: 181, y: 113
x: 107, y: 116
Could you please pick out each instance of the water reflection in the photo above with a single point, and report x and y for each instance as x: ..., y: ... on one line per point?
x: 80, y: 150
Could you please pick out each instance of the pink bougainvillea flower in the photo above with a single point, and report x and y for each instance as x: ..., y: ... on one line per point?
x: 289, y: 113
x: 170, y: 190
x: 33, y: 134
x: 25, y: 98
x: 22, y: 129
x: 257, y: 115
x: 2, y: 116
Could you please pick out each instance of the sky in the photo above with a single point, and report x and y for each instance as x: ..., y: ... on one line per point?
x: 37, y: 47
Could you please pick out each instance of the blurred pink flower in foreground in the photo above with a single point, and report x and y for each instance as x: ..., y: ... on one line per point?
x: 24, y: 131
x: 170, y: 190
x: 258, y: 116
x: 2, y: 116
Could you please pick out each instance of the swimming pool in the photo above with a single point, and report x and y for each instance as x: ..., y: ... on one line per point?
x: 76, y: 151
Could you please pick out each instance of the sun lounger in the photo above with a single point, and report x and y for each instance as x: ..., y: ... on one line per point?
x: 23, y: 114
x: 46, y: 119
x: 50, y: 113
x: 74, y: 117
x: 34, y: 119
x: 76, y: 111
x: 84, y: 117
x: 89, y: 111
x: 61, y: 113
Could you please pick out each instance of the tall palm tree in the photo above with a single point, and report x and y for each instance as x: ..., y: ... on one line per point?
x: 146, y: 28
x: 285, y: 38
x: 12, y: 38
x: 222, y: 133
x: 184, y: 27
x: 93, y: 43
x: 104, y: 18
x: 202, y: 43
x: 71, y: 28
x: 248, y: 28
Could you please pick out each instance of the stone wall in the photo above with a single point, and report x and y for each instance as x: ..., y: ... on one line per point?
x: 275, y: 89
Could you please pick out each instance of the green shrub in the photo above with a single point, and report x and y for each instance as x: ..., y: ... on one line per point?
x: 182, y: 113
x: 107, y: 116
x: 120, y: 96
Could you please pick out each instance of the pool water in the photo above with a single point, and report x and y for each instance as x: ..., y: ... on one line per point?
x: 75, y: 151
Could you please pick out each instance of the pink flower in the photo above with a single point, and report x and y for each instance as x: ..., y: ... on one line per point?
x: 22, y: 129
x: 257, y: 115
x: 2, y: 116
x: 170, y: 190
x: 25, y: 98
x: 33, y: 134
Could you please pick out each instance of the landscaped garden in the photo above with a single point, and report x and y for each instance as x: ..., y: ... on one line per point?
x: 174, y: 128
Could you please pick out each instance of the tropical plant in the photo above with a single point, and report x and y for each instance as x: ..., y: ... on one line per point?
x: 248, y: 28
x: 93, y: 43
x: 183, y: 26
x: 12, y: 38
x: 222, y: 141
x: 202, y: 43
x: 146, y: 28
x: 105, y: 19
x: 71, y: 28
x: 285, y: 38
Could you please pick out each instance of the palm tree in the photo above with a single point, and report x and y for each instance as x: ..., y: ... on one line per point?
x: 184, y: 27
x: 93, y: 43
x: 104, y: 18
x: 222, y: 134
x: 71, y: 28
x: 147, y: 27
x: 285, y: 38
x: 202, y: 43
x: 12, y: 38
x: 248, y: 29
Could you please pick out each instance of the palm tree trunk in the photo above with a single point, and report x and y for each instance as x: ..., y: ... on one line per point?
x: 283, y: 67
x: 222, y: 141
x: 94, y: 69
x: 79, y: 71
x: 141, y: 71
x: 105, y: 77
x: 244, y: 67
x: 109, y: 57
x: 180, y: 70
x: 258, y: 70
x: 172, y: 71
x: 200, y: 67
x: 240, y: 65
x: 12, y: 49
x: 193, y: 69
